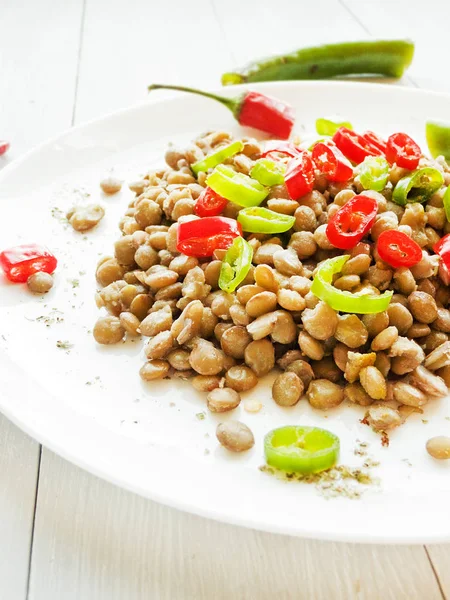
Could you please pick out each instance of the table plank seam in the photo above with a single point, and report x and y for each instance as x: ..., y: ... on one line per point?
x: 433, y: 568
x: 33, y: 523
x: 80, y: 50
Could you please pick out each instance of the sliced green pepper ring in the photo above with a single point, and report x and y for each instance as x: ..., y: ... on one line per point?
x: 262, y: 220
x: 329, y: 127
x: 268, y: 172
x: 342, y: 300
x: 216, y: 158
x: 236, y: 187
x: 373, y: 173
x: 235, y: 265
x: 438, y: 138
x: 418, y: 186
x: 298, y: 449
x: 446, y: 201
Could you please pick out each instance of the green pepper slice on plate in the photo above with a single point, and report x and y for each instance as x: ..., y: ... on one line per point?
x: 298, y: 449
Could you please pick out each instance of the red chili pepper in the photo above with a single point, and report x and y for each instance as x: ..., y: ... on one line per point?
x: 20, y: 262
x: 397, y: 249
x: 267, y: 114
x: 330, y: 161
x: 443, y: 249
x: 4, y: 147
x: 351, y: 222
x: 299, y: 177
x: 201, y: 237
x: 354, y: 146
x: 403, y: 150
x: 281, y: 148
x: 375, y: 140
x: 209, y: 204
x: 250, y: 109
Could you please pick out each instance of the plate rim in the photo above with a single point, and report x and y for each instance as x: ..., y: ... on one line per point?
x: 93, y: 466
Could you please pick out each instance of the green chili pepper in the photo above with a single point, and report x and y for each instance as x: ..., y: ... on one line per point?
x: 268, y: 172
x: 373, y: 173
x: 446, y: 201
x: 383, y: 57
x: 297, y: 449
x: 329, y: 127
x: 218, y: 157
x: 263, y: 220
x: 235, y: 265
x: 438, y: 138
x: 310, y: 145
x: 236, y: 187
x: 341, y: 300
x: 418, y: 186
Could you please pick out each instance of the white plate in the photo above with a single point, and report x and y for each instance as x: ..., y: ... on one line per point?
x: 148, y: 438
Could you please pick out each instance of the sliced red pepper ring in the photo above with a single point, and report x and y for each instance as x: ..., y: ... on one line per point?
x: 351, y: 222
x: 299, y: 177
x: 209, y: 203
x: 354, y: 146
x: 275, y: 147
x: 398, y: 250
x: 201, y: 237
x: 330, y: 161
x: 442, y: 248
x: 20, y: 262
x: 403, y: 150
x: 375, y: 140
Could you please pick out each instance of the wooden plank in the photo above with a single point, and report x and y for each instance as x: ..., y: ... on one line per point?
x: 255, y: 30
x: 439, y: 555
x: 96, y: 541
x: 38, y: 61
x: 19, y: 463
x: 128, y: 45
x: 398, y: 19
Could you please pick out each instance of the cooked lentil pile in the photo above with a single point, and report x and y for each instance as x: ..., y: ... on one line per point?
x: 391, y: 362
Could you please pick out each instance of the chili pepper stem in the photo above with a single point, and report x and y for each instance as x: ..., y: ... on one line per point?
x: 230, y: 103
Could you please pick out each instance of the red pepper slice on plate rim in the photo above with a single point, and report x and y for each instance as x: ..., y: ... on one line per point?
x: 330, y: 161
x: 403, y: 151
x: 397, y: 249
x: 19, y: 262
x: 351, y: 222
x: 299, y: 177
x: 209, y: 203
x: 200, y: 237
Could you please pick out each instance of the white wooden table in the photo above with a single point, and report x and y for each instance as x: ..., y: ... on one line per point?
x: 64, y: 534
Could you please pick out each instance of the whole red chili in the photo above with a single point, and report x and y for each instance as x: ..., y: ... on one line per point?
x: 287, y: 148
x: 330, y: 161
x: 251, y: 109
x: 299, y: 177
x: 209, y: 204
x: 354, y: 146
x: 397, y: 249
x: 20, y: 262
x: 351, y: 222
x: 375, y: 140
x: 403, y: 150
x: 202, y: 236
